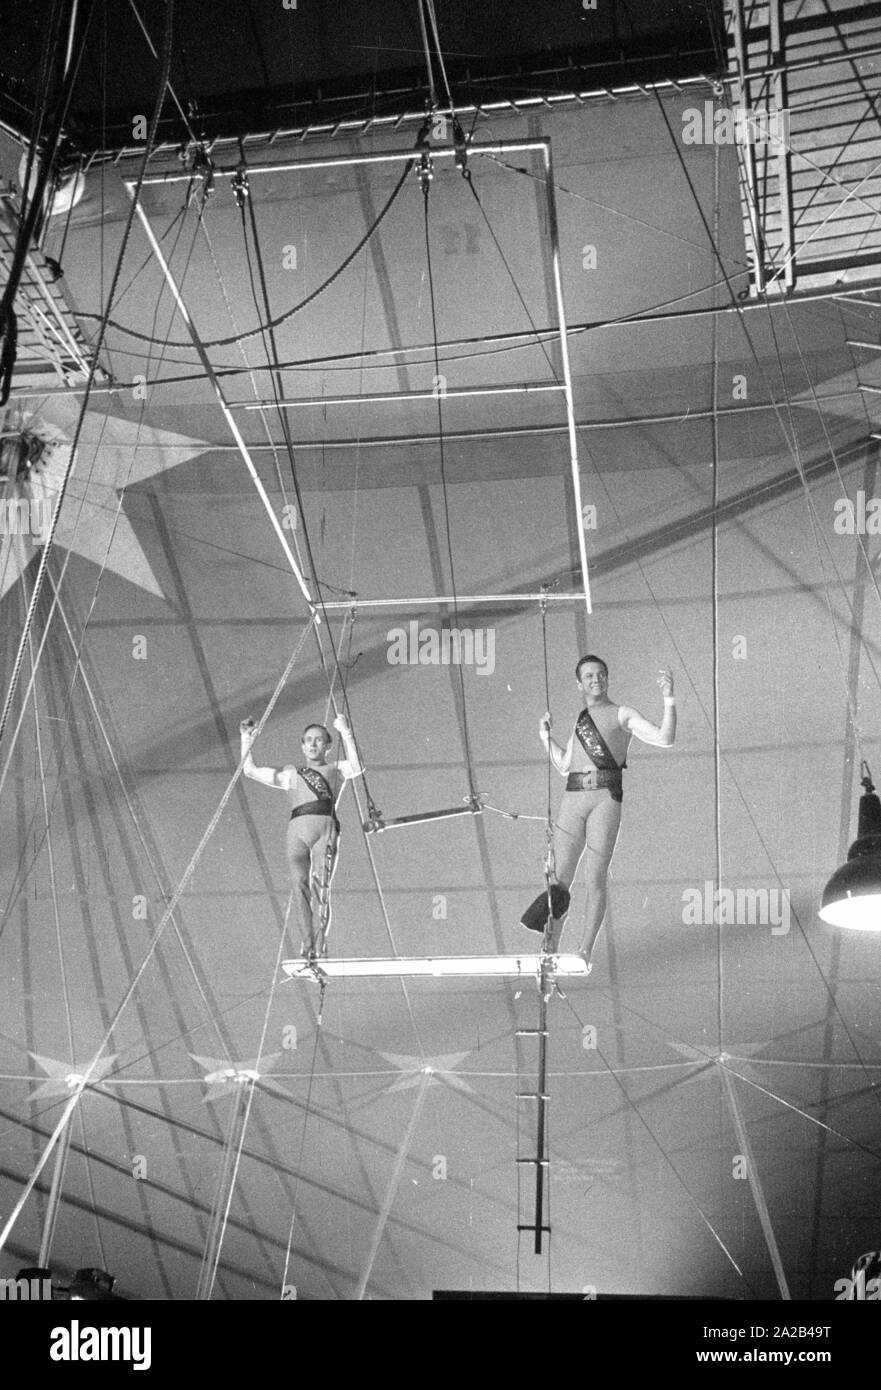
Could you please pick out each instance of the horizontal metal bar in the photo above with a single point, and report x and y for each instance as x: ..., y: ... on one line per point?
x: 375, y: 827
x: 536, y: 1162
x: 431, y: 600
x: 532, y: 1228
x: 336, y: 161
x: 855, y: 342
x: 873, y: 390
x: 367, y: 398
x: 531, y: 1095
x: 532, y: 1032
x: 521, y: 431
x: 431, y: 966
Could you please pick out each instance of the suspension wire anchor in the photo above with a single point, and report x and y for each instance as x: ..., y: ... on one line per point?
x: 425, y: 167
x: 425, y: 171
x: 546, y: 975
x: 311, y: 970
x: 322, y: 991
x: 374, y: 819
x: 195, y: 159
x: 460, y: 144
x: 240, y: 187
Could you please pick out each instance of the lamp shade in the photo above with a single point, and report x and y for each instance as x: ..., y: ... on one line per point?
x: 852, y: 897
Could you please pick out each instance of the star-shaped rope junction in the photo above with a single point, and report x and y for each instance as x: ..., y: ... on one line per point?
x: 113, y: 454
x: 224, y: 1077
x: 703, y: 1059
x: 417, y: 1071
x: 67, y: 1077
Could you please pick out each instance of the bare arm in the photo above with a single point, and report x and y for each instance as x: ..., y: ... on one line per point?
x: 350, y: 766
x: 269, y: 776
x: 560, y: 757
x: 661, y: 735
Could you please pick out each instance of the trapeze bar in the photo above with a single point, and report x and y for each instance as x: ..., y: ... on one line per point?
x: 374, y: 826
x: 450, y: 598
x: 522, y: 388
x: 436, y: 967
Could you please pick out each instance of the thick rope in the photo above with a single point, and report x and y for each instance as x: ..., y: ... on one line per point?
x: 443, y: 476
x: 289, y: 313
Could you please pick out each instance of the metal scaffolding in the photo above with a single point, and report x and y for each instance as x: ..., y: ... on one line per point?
x: 809, y: 155
x: 51, y: 347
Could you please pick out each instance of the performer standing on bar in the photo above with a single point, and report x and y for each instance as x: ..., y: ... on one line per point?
x: 590, y: 812
x: 313, y: 830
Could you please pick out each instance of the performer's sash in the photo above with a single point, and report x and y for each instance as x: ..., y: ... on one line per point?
x: 317, y: 784
x: 599, y: 752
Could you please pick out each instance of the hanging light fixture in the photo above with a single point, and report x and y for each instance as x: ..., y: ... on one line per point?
x: 852, y: 897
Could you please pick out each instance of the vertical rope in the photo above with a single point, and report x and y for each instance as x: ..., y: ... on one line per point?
x: 550, y: 863
x: 428, y: 64
x: 714, y: 542
x: 443, y: 474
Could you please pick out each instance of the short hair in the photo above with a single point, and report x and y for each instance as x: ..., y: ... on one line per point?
x: 590, y: 657
x: 327, y: 733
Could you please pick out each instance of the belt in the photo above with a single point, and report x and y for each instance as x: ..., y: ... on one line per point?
x: 316, y: 808
x: 595, y: 779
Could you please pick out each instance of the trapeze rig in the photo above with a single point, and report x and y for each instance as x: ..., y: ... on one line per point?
x: 545, y: 966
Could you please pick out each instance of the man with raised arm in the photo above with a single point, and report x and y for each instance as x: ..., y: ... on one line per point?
x: 590, y: 811
x: 313, y: 830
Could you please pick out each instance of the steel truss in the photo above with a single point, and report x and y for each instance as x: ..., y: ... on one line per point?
x: 796, y: 232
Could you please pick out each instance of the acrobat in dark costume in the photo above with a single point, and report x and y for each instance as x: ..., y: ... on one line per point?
x: 313, y: 829
x: 590, y: 811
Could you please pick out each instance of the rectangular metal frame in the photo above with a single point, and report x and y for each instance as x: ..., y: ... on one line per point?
x: 541, y: 146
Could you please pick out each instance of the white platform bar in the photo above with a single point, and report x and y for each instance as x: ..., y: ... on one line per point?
x: 429, y: 600
x: 436, y: 967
